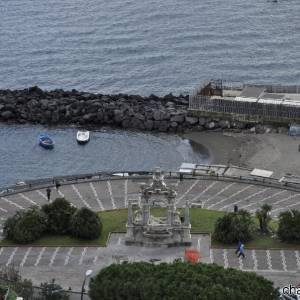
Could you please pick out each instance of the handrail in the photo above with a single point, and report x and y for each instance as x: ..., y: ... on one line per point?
x: 68, y: 179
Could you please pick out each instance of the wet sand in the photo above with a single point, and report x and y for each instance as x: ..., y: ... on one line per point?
x: 276, y: 152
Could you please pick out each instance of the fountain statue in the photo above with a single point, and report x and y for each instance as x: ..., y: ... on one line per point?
x: 147, y: 230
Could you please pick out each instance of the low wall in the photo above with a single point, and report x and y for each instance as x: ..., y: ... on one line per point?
x: 58, y: 107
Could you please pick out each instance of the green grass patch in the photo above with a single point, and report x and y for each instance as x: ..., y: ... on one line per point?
x: 202, y: 220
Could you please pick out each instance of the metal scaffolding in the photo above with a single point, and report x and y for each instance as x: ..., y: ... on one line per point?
x: 206, y: 99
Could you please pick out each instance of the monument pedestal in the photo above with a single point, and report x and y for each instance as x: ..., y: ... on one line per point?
x: 146, y: 230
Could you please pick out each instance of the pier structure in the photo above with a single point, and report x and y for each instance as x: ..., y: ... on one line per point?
x: 257, y: 103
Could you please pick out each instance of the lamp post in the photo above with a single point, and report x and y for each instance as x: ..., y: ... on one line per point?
x: 87, y: 274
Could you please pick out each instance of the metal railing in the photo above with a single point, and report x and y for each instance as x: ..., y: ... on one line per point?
x: 101, y: 176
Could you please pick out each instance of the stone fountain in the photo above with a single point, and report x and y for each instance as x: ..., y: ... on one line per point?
x: 147, y: 230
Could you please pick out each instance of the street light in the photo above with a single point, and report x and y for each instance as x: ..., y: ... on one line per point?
x: 87, y: 274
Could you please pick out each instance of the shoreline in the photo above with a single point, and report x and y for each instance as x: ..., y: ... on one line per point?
x: 168, y: 113
x: 271, y: 151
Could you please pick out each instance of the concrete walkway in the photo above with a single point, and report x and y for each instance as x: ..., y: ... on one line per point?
x: 68, y: 264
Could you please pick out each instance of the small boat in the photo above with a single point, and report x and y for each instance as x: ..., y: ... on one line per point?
x: 83, y: 136
x: 45, y: 141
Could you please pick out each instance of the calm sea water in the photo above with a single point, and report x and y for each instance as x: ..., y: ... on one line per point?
x: 147, y: 46
x: 140, y: 47
x: 22, y: 158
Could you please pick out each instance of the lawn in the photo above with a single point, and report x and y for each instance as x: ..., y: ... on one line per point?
x: 202, y: 221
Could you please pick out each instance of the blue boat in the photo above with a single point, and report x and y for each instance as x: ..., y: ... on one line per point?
x: 45, y: 141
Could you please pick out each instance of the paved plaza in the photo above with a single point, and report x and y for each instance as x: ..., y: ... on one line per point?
x: 42, y: 263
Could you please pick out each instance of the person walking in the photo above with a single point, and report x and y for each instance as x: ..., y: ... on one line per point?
x: 238, y: 247
x: 242, y: 251
x: 48, y: 191
x: 57, y: 184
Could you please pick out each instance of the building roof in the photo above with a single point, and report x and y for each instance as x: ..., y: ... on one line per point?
x: 252, y: 92
x: 272, y: 96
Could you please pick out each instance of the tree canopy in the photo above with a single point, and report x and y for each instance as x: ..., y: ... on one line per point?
x: 146, y: 281
x: 85, y: 224
x: 59, y: 214
x: 234, y: 227
x: 289, y: 226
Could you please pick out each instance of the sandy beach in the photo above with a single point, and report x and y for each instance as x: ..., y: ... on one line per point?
x: 271, y: 151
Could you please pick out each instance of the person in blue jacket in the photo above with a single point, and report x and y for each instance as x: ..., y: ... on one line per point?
x: 238, y: 247
x: 242, y: 251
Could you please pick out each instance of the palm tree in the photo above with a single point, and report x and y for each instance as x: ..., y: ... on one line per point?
x: 263, y: 216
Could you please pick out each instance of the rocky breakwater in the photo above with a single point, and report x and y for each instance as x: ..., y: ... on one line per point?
x: 58, y: 107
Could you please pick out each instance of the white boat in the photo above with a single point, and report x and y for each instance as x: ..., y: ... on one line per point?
x: 83, y: 136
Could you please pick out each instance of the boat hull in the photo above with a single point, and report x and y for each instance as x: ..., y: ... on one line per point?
x: 45, y: 141
x: 46, y: 146
x: 83, y: 137
x: 82, y: 142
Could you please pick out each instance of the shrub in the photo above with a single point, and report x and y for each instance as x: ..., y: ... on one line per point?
x: 137, y: 281
x: 234, y: 227
x: 29, y: 226
x: 59, y: 214
x: 9, y: 225
x: 11, y: 276
x: 53, y: 291
x: 289, y: 226
x: 85, y: 224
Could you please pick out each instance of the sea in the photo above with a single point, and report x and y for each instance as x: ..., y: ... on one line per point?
x: 109, y: 150
x: 135, y: 47
x: 147, y: 47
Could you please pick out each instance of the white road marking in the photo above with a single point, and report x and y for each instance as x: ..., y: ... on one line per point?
x: 4, y: 210
x: 187, y: 191
x: 1, y: 250
x: 241, y: 265
x: 244, y: 199
x: 53, y: 256
x: 262, y: 201
x: 25, y: 257
x: 111, y: 194
x: 225, y: 258
x: 40, y: 256
x: 211, y: 256
x: 12, y: 203
x: 297, y: 259
x: 199, y: 244
x: 96, y: 196
x: 271, y: 271
x: 61, y: 194
x: 68, y: 256
x: 96, y: 257
x: 283, y: 260
x: 80, y: 196
x: 269, y: 260
x: 255, y: 262
x: 195, y: 199
x: 119, y: 241
x: 126, y: 192
x: 82, y: 255
x: 11, y: 256
x: 290, y: 205
x: 218, y: 193
x: 28, y: 199
x: 230, y: 197
x: 42, y: 194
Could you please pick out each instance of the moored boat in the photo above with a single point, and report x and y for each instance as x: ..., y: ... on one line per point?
x: 83, y: 136
x: 45, y: 141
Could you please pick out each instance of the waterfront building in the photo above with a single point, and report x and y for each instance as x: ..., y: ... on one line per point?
x: 257, y: 103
